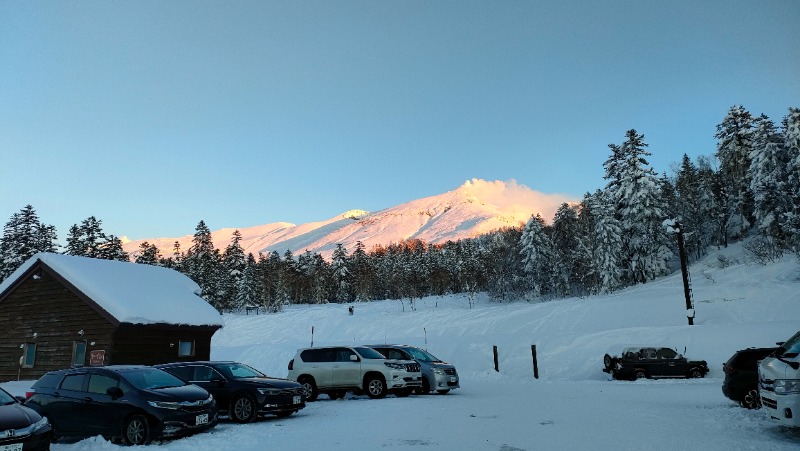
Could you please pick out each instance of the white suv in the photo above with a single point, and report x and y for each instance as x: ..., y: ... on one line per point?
x: 338, y: 369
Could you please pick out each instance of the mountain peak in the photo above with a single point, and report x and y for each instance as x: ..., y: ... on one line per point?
x: 474, y: 208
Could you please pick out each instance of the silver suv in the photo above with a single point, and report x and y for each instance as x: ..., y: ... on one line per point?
x: 436, y: 375
x: 338, y: 369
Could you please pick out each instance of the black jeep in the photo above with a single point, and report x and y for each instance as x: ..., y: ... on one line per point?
x: 652, y: 362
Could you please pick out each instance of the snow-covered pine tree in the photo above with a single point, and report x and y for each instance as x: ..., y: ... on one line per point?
x: 23, y: 236
x: 734, y: 150
x: 470, y: 269
x: 233, y: 265
x: 111, y: 249
x: 342, y: 278
x: 362, y: 273
x: 202, y: 264
x: 246, y: 295
x: 148, y: 254
x: 606, y: 244
x: 86, y: 239
x: 566, y: 245
x: 536, y: 250
x: 791, y: 143
x: 640, y: 209
x: 769, y: 180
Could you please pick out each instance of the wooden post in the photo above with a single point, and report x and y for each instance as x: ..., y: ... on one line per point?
x: 496, y: 367
x: 535, y: 363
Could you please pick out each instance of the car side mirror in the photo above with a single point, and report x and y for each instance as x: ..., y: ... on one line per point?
x: 114, y: 392
x: 20, y: 398
x: 353, y: 358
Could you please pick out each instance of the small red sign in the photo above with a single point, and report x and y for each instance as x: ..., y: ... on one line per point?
x: 97, y: 358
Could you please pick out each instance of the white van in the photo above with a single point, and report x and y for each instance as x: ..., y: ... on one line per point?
x: 779, y: 383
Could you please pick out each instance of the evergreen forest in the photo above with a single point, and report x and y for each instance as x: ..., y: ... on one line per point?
x: 615, y: 237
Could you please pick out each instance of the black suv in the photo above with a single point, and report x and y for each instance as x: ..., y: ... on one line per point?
x: 133, y: 403
x: 741, y: 376
x: 22, y: 427
x: 240, y: 390
x: 652, y: 362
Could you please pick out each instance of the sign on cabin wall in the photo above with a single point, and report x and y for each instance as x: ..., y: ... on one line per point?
x: 97, y: 357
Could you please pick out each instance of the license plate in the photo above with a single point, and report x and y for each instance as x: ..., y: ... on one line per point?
x: 11, y: 447
x: 201, y: 419
x: 452, y: 378
x: 296, y: 400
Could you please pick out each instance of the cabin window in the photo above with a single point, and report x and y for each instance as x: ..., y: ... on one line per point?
x: 28, y: 355
x: 78, y: 353
x: 185, y: 348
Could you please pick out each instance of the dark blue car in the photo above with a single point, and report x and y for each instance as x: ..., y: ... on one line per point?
x: 134, y: 404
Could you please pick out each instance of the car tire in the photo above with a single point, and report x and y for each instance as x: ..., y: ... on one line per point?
x: 639, y: 374
x: 751, y: 400
x: 695, y: 373
x: 242, y: 408
x: 443, y: 392
x: 337, y: 394
x: 426, y: 387
x: 310, y: 388
x: 136, y: 430
x: 376, y: 387
x: 607, y: 361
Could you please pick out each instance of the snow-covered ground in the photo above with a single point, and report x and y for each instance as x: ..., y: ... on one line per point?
x: 572, y: 405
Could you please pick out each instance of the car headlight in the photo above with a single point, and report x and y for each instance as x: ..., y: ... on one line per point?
x: 269, y: 391
x: 784, y: 386
x: 396, y: 366
x: 165, y: 405
x: 34, y: 427
x: 437, y: 371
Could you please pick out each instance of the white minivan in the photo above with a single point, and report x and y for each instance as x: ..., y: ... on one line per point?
x: 779, y: 383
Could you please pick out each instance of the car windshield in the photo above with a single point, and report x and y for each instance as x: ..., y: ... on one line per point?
x: 151, y: 379
x: 239, y: 370
x: 6, y: 398
x: 792, y: 346
x: 369, y: 353
x: 422, y: 355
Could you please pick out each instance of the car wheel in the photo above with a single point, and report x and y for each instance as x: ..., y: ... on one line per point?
x: 310, y: 388
x: 136, y: 430
x: 376, y: 387
x: 337, y: 394
x: 426, y: 387
x: 639, y: 374
x: 695, y: 373
x: 607, y: 361
x: 443, y: 392
x: 751, y: 400
x: 243, y: 408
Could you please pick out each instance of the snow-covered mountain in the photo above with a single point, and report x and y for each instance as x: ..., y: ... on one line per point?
x: 474, y: 208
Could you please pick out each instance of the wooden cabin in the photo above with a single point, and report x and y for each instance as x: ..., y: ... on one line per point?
x: 59, y: 311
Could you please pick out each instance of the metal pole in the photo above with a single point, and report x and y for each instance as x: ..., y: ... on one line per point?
x: 687, y: 292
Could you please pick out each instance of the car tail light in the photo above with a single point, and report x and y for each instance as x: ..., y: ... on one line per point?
x: 29, y: 393
x: 291, y: 365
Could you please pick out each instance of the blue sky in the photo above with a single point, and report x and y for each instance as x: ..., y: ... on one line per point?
x: 153, y: 115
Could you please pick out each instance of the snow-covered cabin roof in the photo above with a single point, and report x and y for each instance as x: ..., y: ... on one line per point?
x: 129, y: 292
